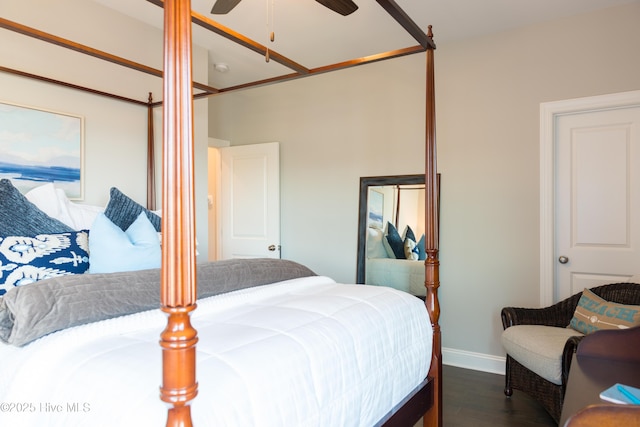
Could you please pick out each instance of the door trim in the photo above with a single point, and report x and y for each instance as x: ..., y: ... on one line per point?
x: 549, y: 113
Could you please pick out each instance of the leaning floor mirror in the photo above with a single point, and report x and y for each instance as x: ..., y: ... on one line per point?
x: 391, y: 248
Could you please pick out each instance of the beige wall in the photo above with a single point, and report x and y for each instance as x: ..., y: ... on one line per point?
x: 369, y: 120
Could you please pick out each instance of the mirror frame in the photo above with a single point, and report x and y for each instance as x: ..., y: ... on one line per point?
x: 365, y: 183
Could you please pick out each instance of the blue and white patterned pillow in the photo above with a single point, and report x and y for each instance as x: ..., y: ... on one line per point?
x: 26, y: 260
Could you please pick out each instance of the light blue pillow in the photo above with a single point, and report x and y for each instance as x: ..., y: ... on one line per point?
x: 111, y: 249
x: 422, y: 253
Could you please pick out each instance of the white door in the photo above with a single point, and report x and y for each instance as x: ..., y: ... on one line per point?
x: 250, y: 201
x: 597, y: 200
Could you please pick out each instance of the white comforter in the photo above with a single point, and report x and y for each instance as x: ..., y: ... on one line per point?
x: 305, y: 352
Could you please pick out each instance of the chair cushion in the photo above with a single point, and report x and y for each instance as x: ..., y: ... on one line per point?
x: 538, y: 348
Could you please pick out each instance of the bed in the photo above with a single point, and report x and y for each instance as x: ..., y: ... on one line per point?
x: 399, y: 273
x: 288, y: 333
x: 230, y: 332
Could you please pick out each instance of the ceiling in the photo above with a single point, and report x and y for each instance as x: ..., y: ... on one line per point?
x: 313, y: 36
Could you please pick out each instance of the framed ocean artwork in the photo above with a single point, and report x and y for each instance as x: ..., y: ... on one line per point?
x: 376, y: 209
x: 39, y: 146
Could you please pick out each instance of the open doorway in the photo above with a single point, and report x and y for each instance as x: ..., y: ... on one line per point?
x: 213, y: 196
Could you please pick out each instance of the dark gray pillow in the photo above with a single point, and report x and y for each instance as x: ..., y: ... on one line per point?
x: 395, y: 241
x: 20, y: 217
x: 123, y: 211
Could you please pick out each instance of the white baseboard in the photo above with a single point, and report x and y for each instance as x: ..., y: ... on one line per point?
x: 472, y: 360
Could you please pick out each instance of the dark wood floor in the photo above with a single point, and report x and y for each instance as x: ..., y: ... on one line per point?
x: 476, y: 399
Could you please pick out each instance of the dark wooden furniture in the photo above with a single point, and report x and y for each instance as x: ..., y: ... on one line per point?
x: 178, y: 292
x: 606, y: 416
x: 603, y: 359
x: 559, y: 315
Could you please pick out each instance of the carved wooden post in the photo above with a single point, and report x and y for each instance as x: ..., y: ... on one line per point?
x: 432, y: 265
x: 178, y: 278
x: 151, y: 158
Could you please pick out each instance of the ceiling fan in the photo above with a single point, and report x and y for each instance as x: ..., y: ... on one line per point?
x: 343, y: 7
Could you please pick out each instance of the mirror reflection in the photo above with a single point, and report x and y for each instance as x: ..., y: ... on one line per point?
x: 391, y: 232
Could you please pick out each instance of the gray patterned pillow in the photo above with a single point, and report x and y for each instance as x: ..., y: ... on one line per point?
x: 20, y: 217
x: 123, y: 211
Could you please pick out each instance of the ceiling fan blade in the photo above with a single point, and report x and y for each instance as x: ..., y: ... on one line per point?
x: 222, y: 7
x: 343, y: 7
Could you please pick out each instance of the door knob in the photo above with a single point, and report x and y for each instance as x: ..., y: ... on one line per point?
x: 273, y: 247
x: 563, y: 260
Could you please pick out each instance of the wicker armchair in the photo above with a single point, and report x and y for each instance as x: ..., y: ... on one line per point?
x: 519, y: 377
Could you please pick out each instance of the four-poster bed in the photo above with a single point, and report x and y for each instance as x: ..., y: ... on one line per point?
x: 179, y: 274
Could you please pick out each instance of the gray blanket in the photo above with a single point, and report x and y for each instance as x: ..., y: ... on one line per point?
x: 31, y: 311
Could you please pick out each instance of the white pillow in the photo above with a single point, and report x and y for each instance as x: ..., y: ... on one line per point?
x: 46, y: 199
x: 375, y: 247
x: 81, y: 216
x: 54, y: 202
x: 111, y: 249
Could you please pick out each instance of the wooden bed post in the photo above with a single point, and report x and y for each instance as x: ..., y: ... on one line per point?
x: 432, y: 265
x: 151, y: 158
x: 178, y: 274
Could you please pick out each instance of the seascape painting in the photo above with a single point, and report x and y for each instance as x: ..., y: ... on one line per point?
x: 40, y: 146
x: 376, y: 209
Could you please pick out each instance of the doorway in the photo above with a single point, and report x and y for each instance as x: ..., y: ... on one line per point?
x: 589, y: 193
